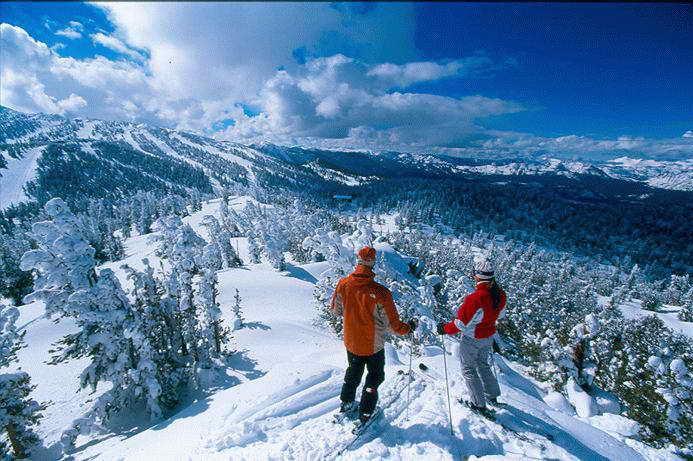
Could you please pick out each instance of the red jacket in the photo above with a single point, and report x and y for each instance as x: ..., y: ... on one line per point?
x: 477, y: 312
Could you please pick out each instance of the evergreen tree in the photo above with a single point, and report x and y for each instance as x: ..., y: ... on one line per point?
x: 63, y: 263
x: 222, y: 239
x: 111, y: 335
x: 238, y: 311
x: 212, y: 331
x: 686, y: 312
x: 19, y: 413
x: 14, y: 282
x: 230, y: 220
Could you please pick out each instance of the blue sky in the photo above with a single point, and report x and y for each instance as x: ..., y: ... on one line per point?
x: 466, y: 79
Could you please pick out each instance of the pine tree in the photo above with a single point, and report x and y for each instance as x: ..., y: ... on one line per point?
x: 229, y: 218
x: 154, y: 316
x: 650, y: 298
x: 14, y: 282
x: 238, y: 311
x: 19, y: 413
x: 686, y: 312
x: 254, y: 249
x: 220, y: 237
x: 120, y: 352
x: 211, y: 328
x: 64, y: 261
x: 109, y: 334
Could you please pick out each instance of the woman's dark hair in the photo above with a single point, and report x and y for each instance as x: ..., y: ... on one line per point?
x: 496, y: 293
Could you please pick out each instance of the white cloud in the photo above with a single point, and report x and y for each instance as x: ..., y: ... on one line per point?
x: 403, y: 75
x: 34, y: 78
x: 339, y: 99
x: 73, y: 31
x: 193, y: 77
x: 115, y: 44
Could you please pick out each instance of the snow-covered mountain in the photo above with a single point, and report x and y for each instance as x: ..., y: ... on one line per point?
x: 34, y: 146
x: 284, y: 388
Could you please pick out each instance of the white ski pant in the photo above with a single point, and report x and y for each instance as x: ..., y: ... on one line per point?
x: 475, y: 355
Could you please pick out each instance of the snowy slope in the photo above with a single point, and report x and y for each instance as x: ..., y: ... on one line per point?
x: 19, y: 172
x: 288, y: 375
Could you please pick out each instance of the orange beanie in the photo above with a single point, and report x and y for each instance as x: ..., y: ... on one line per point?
x: 366, y: 254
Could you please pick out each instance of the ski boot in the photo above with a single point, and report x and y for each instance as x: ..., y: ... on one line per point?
x: 347, y: 410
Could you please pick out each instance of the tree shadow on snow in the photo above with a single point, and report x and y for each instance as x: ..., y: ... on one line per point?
x: 463, y: 444
x: 194, y: 403
x: 255, y: 326
x: 300, y: 273
x: 521, y: 421
x: 247, y: 366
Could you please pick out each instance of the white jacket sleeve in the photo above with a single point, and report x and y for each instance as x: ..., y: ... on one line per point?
x: 468, y: 329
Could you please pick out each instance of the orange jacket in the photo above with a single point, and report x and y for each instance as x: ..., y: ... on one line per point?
x: 368, y: 312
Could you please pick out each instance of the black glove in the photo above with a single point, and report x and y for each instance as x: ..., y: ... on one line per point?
x: 413, y: 323
x: 440, y: 329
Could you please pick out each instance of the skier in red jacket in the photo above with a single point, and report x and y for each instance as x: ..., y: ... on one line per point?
x: 476, y: 320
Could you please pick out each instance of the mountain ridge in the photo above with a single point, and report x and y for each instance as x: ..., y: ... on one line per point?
x: 226, y: 162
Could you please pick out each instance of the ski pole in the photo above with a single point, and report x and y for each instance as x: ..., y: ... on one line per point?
x: 447, y: 387
x: 409, y: 381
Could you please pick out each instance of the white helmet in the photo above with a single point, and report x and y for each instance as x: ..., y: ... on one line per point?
x: 483, y: 268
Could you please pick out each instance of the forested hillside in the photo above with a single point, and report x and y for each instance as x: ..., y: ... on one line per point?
x: 190, y: 280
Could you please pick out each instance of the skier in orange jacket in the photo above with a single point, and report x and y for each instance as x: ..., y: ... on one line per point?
x: 369, y: 313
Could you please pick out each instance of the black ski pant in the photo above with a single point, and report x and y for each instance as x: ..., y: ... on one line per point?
x: 376, y: 375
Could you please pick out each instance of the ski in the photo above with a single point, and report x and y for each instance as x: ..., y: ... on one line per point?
x: 340, y: 418
x: 361, y: 427
x: 378, y: 414
x: 487, y: 413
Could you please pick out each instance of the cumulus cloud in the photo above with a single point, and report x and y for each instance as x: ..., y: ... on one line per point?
x: 341, y: 99
x: 113, y: 43
x: 73, y: 31
x: 35, y: 78
x: 403, y: 75
x: 185, y: 74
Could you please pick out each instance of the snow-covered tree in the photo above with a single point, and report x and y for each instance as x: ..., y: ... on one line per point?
x: 19, y: 413
x: 674, y: 383
x: 154, y: 318
x: 686, y: 312
x: 212, y: 332
x: 341, y: 260
x: 63, y: 262
x: 14, y: 282
x: 650, y: 298
x: 238, y: 311
x: 220, y: 237
x: 229, y: 219
x: 119, y: 352
x: 273, y: 245
x: 678, y: 286
x: 254, y: 248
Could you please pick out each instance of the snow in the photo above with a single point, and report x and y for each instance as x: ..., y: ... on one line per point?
x: 18, y: 173
x: 668, y: 314
x: 288, y: 373
x: 86, y: 131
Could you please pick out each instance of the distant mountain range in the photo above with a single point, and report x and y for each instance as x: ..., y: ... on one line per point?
x: 40, y: 153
